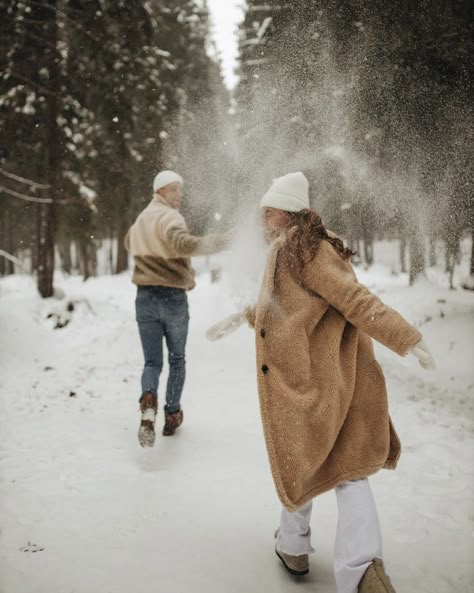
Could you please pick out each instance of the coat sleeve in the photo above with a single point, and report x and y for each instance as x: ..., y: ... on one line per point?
x: 251, y: 315
x: 332, y: 278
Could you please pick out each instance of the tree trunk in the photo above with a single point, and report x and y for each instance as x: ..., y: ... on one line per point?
x: 122, y: 254
x: 403, y: 251
x: 417, y: 258
x: 65, y: 253
x: 111, y: 252
x: 84, y: 259
x: 35, y: 239
x: 48, y: 211
x: 452, y: 251
x: 92, y: 249
x: 7, y: 243
x: 368, y: 251
x: 11, y: 247
x: 3, y: 261
x: 450, y: 263
x: 472, y: 250
x: 76, y: 259
x: 433, y: 260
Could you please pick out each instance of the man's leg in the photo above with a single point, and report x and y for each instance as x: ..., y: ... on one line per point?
x: 151, y: 330
x: 176, y: 322
x: 358, y: 537
x: 151, y: 336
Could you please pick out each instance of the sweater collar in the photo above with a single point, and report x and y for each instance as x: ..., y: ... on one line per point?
x: 159, y: 200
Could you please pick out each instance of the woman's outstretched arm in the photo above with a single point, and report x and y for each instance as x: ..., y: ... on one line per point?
x: 332, y: 278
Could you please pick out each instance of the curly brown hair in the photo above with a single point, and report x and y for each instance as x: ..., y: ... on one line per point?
x: 308, y: 234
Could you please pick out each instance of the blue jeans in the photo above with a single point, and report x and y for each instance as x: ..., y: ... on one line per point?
x: 162, y: 312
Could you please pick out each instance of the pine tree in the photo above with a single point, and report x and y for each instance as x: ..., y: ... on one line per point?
x: 123, y: 79
x: 198, y: 135
x: 357, y: 95
x: 30, y: 95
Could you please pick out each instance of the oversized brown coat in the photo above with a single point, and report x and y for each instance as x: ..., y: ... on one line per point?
x: 322, y: 394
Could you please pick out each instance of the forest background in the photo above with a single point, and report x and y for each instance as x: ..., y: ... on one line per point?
x: 372, y: 100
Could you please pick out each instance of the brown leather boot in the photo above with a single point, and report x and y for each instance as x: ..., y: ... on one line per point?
x: 146, y: 432
x: 298, y: 566
x: 375, y: 580
x: 172, y: 422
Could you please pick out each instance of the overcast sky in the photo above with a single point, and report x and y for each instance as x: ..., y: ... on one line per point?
x: 226, y: 14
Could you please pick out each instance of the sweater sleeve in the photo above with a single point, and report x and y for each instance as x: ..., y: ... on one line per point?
x: 181, y: 243
x: 332, y: 278
x: 126, y: 240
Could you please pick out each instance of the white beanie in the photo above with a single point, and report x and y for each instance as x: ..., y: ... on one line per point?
x: 289, y: 193
x: 164, y: 178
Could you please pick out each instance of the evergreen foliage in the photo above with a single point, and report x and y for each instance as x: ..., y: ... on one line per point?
x: 373, y: 101
x: 134, y: 90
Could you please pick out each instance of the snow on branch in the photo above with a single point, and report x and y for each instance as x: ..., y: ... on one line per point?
x: 263, y: 27
x: 260, y: 33
x: 24, y: 196
x: 23, y: 180
x: 264, y: 8
x: 257, y: 62
x: 253, y: 41
x: 11, y: 258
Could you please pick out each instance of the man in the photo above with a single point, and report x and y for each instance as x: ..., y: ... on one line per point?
x: 162, y: 246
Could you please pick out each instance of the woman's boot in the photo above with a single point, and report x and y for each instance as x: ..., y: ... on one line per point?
x: 375, y: 580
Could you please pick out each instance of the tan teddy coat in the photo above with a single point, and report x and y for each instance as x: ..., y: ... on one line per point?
x: 322, y: 393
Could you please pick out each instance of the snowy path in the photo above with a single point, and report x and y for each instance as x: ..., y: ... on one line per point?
x: 198, y: 511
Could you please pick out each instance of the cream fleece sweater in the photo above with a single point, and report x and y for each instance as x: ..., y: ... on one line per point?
x: 162, y: 245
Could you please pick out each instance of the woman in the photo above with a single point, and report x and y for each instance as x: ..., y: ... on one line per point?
x: 322, y: 393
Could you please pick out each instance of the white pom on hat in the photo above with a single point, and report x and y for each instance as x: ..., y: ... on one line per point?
x: 165, y: 178
x: 289, y: 192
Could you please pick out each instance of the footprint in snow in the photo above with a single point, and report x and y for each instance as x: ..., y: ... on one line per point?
x: 31, y: 548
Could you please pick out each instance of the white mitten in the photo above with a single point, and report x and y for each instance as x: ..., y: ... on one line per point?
x: 226, y: 326
x: 420, y: 350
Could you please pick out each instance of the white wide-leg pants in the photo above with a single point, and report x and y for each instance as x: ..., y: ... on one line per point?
x: 358, y: 537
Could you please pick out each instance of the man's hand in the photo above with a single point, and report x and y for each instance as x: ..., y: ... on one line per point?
x: 421, y: 351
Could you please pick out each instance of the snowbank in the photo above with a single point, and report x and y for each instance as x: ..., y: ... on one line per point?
x: 83, y: 509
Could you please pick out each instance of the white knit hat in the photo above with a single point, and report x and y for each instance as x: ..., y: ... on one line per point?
x: 166, y: 177
x: 289, y: 193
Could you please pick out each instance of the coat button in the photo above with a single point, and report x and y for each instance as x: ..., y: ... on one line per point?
x: 262, y: 332
x: 264, y: 369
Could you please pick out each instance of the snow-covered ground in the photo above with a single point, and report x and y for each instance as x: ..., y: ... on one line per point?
x: 83, y: 509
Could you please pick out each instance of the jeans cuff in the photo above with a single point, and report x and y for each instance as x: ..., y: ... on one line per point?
x: 152, y: 391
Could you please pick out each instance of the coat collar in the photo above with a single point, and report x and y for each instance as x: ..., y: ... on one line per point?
x: 268, y: 282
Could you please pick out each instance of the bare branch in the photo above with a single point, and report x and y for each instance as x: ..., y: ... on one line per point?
x: 11, y: 258
x: 25, y: 197
x: 35, y: 85
x: 64, y: 14
x: 30, y: 33
x: 23, y: 180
